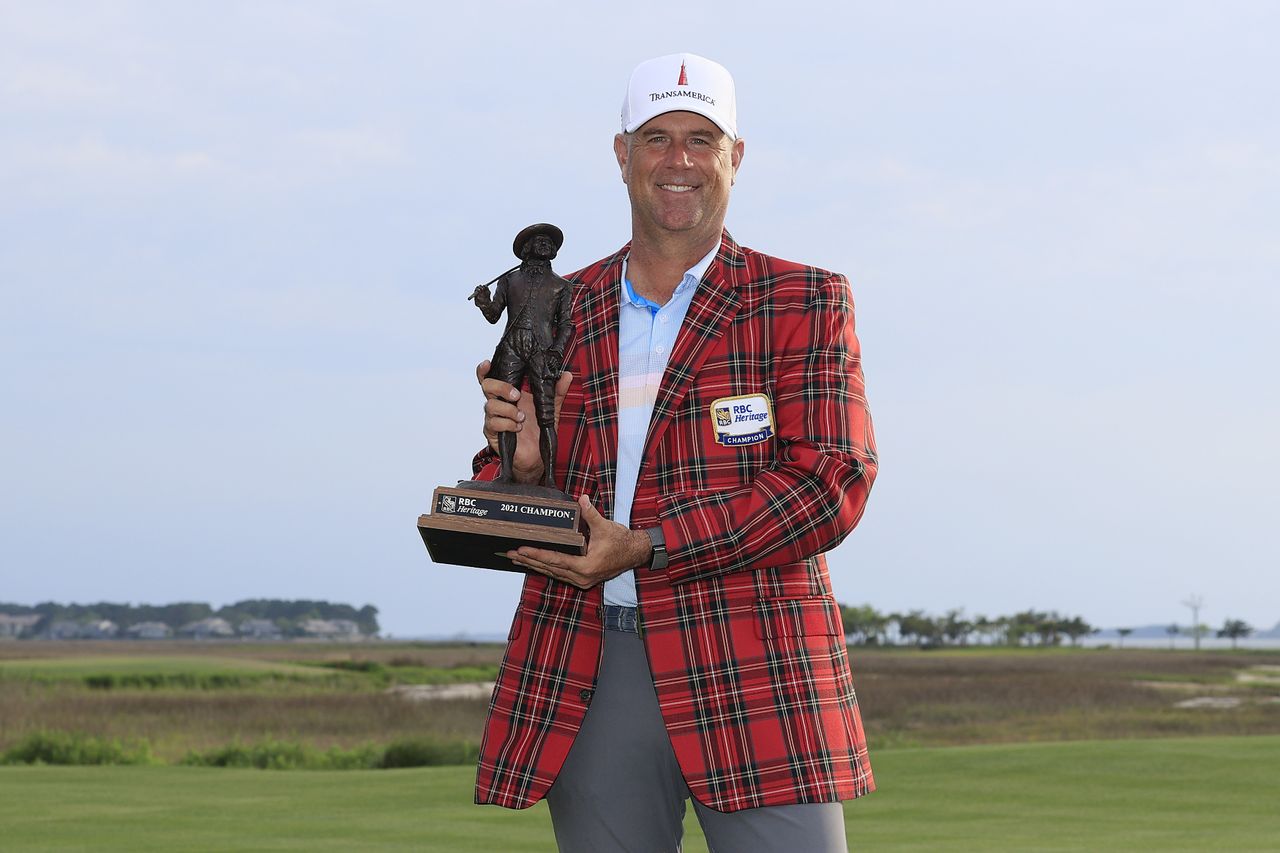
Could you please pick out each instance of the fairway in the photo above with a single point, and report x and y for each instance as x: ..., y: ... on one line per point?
x: 1171, y: 794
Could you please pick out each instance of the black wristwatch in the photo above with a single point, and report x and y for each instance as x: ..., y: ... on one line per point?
x: 658, y: 561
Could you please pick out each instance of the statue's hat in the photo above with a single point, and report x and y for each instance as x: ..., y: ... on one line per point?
x: 556, y: 235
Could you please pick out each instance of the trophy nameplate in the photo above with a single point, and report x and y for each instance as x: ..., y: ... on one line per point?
x: 473, y: 526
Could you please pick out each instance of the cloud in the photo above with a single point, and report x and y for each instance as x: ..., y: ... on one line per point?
x: 348, y: 148
x: 45, y: 83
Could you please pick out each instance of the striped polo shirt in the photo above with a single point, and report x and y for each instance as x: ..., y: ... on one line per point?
x: 646, y: 334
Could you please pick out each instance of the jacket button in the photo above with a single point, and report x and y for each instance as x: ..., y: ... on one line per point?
x: 585, y: 696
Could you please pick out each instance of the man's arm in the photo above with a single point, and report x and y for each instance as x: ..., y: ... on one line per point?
x: 814, y: 493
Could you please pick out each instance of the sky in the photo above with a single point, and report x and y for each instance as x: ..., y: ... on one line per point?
x: 236, y: 240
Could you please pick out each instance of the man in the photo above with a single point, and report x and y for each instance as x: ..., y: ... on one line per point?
x: 714, y: 428
x: 537, y: 302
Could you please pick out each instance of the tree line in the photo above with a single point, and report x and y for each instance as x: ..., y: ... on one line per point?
x: 865, y: 625
x: 1234, y: 630
x: 287, y: 615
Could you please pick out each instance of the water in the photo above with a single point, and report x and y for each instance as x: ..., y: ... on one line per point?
x: 1206, y: 643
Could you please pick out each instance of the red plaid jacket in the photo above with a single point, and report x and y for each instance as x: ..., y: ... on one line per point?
x: 743, y: 635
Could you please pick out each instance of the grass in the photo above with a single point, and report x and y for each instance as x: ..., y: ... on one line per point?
x: 984, y: 695
x: 190, y: 672
x: 77, y: 667
x: 69, y: 748
x: 1156, y: 794
x: 1051, y: 749
x: 178, y: 722
x: 193, y: 697
x: 386, y: 674
x: 323, y: 696
x: 221, y: 672
x: 1193, y: 794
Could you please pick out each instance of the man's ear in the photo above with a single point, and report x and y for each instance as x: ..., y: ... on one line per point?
x: 620, y: 151
x: 739, y: 148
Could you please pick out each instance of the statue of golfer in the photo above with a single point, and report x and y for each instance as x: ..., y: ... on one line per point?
x: 537, y: 302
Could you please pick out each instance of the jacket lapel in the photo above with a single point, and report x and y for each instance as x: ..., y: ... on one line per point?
x: 714, y: 305
x: 597, y: 335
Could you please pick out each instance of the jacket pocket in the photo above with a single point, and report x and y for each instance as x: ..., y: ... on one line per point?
x: 797, y: 617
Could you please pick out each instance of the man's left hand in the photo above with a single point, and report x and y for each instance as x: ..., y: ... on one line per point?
x: 611, y: 550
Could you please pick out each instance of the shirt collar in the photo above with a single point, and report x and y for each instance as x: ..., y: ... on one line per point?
x: 692, y: 276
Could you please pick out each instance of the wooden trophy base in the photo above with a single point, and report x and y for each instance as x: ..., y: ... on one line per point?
x: 477, y: 523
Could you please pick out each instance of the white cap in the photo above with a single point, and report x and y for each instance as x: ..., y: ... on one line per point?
x: 681, y: 81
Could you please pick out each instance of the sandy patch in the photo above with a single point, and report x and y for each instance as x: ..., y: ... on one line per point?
x: 1215, y: 703
x: 1260, y: 674
x: 1185, y: 686
x: 429, y: 692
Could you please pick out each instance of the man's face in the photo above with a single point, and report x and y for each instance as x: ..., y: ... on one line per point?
x: 678, y: 168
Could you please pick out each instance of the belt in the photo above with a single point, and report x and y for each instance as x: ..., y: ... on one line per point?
x: 619, y: 618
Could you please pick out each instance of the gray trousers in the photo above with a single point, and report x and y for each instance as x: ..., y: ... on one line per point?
x: 621, y: 788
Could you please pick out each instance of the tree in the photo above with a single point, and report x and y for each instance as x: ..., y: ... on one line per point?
x: 1123, y: 632
x: 1075, y: 628
x: 1034, y: 622
x: 1234, y: 629
x: 955, y: 628
x: 1050, y: 629
x: 1021, y: 625
x: 1173, y: 631
x: 864, y: 623
x: 919, y: 625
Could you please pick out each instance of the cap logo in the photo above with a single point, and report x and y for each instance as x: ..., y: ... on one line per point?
x: 684, y: 78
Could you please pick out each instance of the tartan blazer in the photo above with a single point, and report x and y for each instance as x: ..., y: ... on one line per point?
x: 743, y: 635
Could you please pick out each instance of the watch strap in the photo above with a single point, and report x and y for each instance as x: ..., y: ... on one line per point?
x: 658, y: 561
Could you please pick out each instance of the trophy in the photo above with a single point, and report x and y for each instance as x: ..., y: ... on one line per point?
x: 476, y: 522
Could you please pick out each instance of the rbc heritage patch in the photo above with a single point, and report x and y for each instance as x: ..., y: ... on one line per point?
x: 742, y: 420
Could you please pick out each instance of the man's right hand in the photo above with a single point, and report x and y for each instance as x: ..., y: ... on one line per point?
x: 507, y: 409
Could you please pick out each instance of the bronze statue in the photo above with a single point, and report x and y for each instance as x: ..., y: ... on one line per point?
x: 478, y: 522
x: 537, y: 302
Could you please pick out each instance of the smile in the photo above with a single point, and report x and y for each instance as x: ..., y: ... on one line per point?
x: 676, y: 188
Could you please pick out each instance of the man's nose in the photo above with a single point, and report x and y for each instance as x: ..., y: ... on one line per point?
x: 678, y: 155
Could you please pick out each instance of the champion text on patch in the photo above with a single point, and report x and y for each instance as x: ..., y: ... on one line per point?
x: 742, y: 420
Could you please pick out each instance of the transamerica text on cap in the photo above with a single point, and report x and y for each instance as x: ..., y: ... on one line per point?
x: 657, y: 96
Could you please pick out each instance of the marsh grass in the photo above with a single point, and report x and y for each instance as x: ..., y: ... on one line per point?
x: 332, y: 696
x: 979, y: 695
x: 75, y: 748
x: 399, y: 672
x: 176, y: 722
x: 283, y: 755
